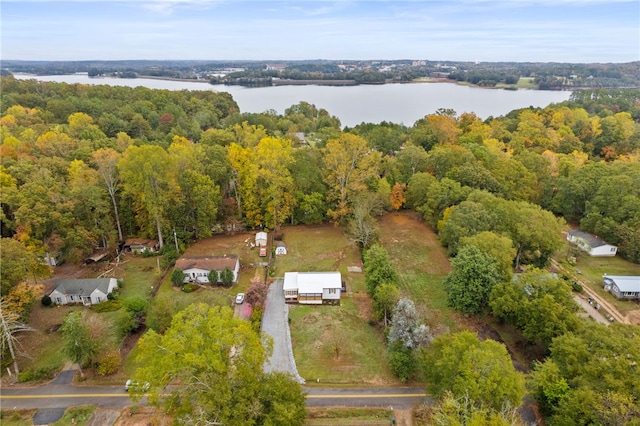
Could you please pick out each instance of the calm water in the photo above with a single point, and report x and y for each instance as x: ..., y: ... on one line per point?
x: 397, y: 103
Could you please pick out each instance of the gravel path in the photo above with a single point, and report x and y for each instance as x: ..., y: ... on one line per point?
x: 590, y: 310
x: 275, y: 323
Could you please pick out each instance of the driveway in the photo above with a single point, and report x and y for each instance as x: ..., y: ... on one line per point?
x: 275, y: 323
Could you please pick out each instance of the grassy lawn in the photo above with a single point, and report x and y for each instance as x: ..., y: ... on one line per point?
x: 348, y: 416
x: 17, y: 417
x: 336, y: 336
x: 523, y: 83
x: 422, y: 264
x: 335, y: 344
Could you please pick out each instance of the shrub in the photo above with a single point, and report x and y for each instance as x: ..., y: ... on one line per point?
x: 402, y: 361
x: 126, y: 322
x: 576, y: 286
x: 115, y: 293
x: 110, y: 305
x: 177, y: 277
x: 46, y: 300
x: 226, y: 276
x: 190, y: 287
x: 108, y: 364
x: 256, y: 317
x: 169, y: 256
x: 257, y: 293
x: 39, y: 374
x: 136, y: 304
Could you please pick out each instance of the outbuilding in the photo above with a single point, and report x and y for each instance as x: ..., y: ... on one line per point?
x: 281, y: 248
x: 261, y: 239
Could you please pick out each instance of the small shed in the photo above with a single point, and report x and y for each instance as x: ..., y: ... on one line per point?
x: 261, y: 239
x: 591, y: 244
x: 281, y: 248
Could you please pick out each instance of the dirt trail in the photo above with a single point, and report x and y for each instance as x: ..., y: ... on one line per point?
x: 606, y: 305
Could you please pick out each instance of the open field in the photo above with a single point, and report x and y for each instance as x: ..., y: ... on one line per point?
x: 336, y: 336
x: 422, y: 265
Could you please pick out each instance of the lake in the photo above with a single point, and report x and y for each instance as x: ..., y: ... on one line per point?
x: 398, y: 103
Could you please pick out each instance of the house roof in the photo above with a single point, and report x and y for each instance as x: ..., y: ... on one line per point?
x: 84, y: 286
x: 261, y: 235
x: 311, y: 282
x: 593, y: 240
x: 140, y: 242
x: 207, y: 263
x: 281, y: 244
x: 625, y: 283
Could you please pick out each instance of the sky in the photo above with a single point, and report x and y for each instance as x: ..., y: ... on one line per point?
x: 575, y: 31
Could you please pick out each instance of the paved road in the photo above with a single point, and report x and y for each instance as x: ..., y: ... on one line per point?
x: 275, y: 323
x: 55, y: 397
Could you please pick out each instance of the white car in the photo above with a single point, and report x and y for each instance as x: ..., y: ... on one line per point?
x: 240, y: 298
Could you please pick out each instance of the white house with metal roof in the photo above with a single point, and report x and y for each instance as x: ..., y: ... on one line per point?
x: 312, y: 288
x: 592, y: 244
x: 622, y: 286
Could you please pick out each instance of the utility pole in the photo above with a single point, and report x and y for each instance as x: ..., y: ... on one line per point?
x: 175, y: 238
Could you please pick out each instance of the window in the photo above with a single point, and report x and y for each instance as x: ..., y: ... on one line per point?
x: 613, y: 249
x: 332, y: 291
x: 58, y: 300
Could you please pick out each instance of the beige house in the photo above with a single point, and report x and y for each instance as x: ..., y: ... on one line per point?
x: 196, y: 269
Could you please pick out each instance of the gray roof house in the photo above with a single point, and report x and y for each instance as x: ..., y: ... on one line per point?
x: 88, y: 291
x: 590, y: 243
x: 622, y: 287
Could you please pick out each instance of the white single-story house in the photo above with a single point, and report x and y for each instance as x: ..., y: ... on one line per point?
x: 89, y: 291
x: 140, y: 245
x: 312, y: 288
x: 196, y: 269
x: 590, y: 243
x: 281, y: 248
x: 623, y: 287
x: 261, y: 239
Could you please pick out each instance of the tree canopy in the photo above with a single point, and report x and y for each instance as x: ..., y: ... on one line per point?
x: 217, y: 361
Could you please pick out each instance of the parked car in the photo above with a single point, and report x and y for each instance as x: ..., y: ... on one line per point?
x: 240, y: 298
x: 133, y: 385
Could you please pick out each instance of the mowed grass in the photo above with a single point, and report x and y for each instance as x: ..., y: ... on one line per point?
x: 320, y: 248
x: 422, y: 264
x: 332, y: 344
x: 336, y: 345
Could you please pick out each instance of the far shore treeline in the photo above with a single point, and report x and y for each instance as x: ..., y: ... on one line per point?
x: 86, y: 166
x: 539, y: 75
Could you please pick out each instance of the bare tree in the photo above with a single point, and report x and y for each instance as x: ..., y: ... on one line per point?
x: 10, y: 326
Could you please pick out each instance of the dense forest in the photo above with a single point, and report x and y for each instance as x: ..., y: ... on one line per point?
x: 84, y: 167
